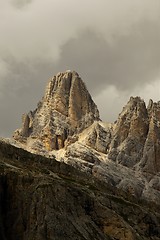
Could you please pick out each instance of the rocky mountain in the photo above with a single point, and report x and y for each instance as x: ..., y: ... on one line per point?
x: 83, y: 178
x: 66, y: 110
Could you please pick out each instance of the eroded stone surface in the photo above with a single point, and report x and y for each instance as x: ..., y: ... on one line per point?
x: 66, y: 109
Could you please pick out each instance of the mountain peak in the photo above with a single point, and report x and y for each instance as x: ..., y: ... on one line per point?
x: 66, y: 109
x: 67, y: 94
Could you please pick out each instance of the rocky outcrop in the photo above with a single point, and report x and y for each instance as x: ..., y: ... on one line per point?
x: 130, y: 132
x: 98, y: 136
x: 151, y: 153
x: 65, y: 110
x: 136, y: 136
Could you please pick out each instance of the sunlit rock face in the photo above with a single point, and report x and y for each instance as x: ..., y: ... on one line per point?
x: 65, y: 110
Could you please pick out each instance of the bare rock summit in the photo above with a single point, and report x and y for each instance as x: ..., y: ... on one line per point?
x: 65, y: 110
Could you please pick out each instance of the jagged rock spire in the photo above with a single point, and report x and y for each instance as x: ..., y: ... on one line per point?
x: 67, y: 94
x: 130, y: 133
x: 66, y: 109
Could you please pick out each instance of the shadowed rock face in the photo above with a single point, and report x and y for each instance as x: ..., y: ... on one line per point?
x: 43, y: 199
x: 66, y: 109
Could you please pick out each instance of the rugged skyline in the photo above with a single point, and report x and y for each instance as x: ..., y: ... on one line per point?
x: 114, y: 46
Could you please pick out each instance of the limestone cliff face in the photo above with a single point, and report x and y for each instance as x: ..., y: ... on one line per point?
x: 130, y: 133
x: 133, y: 140
x: 151, y: 152
x: 66, y: 93
x: 65, y: 110
x: 136, y: 136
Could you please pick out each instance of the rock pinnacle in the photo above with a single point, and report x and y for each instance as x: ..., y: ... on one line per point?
x: 65, y: 110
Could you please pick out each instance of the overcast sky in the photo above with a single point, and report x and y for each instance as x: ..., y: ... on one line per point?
x: 112, y: 44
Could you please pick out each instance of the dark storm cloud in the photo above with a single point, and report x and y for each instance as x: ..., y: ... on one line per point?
x: 125, y: 62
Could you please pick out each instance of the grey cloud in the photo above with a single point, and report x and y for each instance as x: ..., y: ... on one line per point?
x: 21, y: 90
x: 129, y: 60
x: 21, y: 3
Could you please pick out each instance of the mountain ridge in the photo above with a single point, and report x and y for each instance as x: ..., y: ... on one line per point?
x: 66, y: 125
